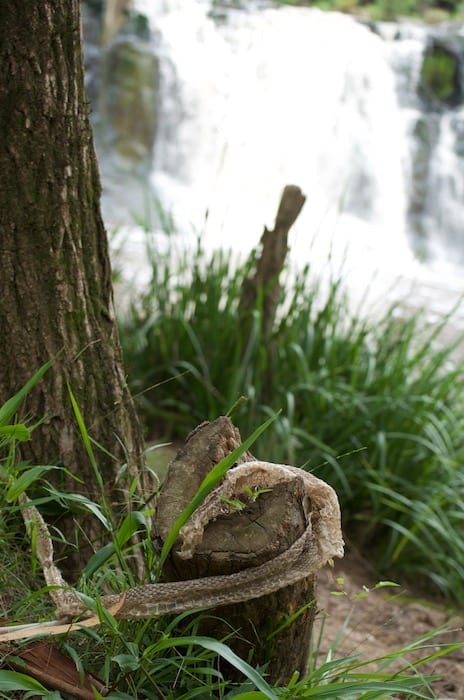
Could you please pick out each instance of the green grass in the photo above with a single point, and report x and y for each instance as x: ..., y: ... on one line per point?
x: 373, y: 406
x: 166, y: 657
x: 150, y: 660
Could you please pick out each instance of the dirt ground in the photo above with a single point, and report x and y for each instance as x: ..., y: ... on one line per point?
x: 385, y: 620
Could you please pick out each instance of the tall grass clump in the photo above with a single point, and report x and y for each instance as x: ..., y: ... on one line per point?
x: 374, y: 406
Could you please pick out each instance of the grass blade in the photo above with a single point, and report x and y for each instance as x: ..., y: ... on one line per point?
x: 11, y: 406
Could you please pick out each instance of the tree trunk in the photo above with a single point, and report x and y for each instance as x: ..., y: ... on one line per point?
x: 56, y: 275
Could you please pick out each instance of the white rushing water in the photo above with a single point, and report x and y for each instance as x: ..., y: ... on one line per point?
x: 297, y: 96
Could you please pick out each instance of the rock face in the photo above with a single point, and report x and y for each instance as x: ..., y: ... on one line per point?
x: 122, y: 82
x: 441, y: 76
x: 126, y: 104
x: 437, y: 144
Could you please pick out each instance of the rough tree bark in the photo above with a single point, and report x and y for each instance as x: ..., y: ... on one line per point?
x: 55, y: 270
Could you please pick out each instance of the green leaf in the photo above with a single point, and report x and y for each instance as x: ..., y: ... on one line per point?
x: 233, y: 503
x: 105, y: 616
x: 11, y: 406
x: 85, y: 438
x: 16, y: 432
x: 228, y: 655
x: 11, y: 680
x: 98, y: 560
x: 24, y: 481
x: 127, y: 662
x: 208, y: 484
x: 94, y: 508
x: 129, y: 527
x: 379, y: 686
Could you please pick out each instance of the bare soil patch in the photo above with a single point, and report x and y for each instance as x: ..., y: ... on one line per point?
x: 385, y: 620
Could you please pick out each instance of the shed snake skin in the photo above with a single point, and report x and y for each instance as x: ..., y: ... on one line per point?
x: 320, y: 541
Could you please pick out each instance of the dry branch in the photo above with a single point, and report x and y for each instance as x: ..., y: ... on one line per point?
x: 274, y: 248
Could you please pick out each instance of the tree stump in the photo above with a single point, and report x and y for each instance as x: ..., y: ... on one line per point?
x: 258, y: 512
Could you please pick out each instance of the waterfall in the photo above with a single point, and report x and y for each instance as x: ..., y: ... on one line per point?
x: 252, y: 100
x: 434, y: 152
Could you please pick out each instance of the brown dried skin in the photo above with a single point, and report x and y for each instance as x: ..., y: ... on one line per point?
x: 320, y: 542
